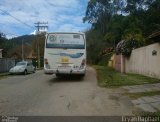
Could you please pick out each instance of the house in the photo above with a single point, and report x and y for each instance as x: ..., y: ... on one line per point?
x: 27, y: 53
x: 1, y: 53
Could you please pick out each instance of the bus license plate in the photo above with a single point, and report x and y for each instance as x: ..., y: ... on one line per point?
x: 64, y: 66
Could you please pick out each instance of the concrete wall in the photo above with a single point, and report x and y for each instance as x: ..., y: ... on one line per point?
x: 6, y: 64
x: 118, y: 63
x: 0, y: 54
x: 143, y: 62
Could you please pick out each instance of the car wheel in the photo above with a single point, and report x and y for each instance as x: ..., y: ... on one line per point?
x: 25, y: 72
x: 34, y: 71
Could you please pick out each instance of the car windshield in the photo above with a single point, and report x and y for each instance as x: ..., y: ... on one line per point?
x: 21, y: 64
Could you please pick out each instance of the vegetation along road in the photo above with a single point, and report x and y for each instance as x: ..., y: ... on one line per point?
x: 40, y: 94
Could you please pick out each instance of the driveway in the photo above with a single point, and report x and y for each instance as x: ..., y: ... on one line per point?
x: 40, y: 94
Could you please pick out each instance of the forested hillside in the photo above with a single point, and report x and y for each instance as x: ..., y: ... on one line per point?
x: 31, y: 40
x: 116, y: 20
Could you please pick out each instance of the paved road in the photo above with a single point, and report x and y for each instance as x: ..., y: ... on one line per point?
x: 40, y: 94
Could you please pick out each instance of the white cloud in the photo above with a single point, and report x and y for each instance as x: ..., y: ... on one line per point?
x: 33, y: 33
x: 68, y: 27
x: 64, y: 15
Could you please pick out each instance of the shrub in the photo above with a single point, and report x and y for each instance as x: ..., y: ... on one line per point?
x: 125, y: 47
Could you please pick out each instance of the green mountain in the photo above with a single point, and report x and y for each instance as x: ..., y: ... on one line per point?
x: 27, y: 39
x: 9, y: 44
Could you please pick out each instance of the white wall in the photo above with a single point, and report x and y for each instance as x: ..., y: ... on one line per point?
x: 0, y: 54
x: 143, y: 62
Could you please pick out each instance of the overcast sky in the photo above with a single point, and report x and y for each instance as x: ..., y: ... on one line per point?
x: 61, y: 15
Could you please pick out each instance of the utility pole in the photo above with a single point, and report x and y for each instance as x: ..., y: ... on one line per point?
x: 41, y: 27
x: 22, y: 51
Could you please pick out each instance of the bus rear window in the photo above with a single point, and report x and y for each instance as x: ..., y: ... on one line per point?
x: 73, y: 41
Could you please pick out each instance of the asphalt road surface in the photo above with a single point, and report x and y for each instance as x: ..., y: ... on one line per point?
x: 40, y: 94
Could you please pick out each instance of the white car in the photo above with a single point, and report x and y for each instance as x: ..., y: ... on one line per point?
x: 22, y: 67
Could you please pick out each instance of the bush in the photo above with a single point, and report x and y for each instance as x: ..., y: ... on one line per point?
x: 125, y: 47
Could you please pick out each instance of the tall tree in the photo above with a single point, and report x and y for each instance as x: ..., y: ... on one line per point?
x: 116, y: 20
x: 99, y: 13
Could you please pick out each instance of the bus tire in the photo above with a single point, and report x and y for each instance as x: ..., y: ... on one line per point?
x: 82, y: 75
x: 58, y: 75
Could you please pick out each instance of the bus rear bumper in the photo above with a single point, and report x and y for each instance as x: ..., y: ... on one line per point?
x: 82, y: 71
x: 56, y: 71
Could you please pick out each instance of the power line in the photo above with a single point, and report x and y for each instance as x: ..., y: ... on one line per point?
x: 16, y: 18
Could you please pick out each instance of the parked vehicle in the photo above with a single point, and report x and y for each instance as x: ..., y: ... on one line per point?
x: 23, y: 67
x: 65, y: 53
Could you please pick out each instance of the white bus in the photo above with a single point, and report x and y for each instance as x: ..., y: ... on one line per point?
x: 65, y: 53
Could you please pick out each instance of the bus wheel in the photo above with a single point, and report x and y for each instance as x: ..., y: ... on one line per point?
x: 58, y: 75
x: 82, y: 75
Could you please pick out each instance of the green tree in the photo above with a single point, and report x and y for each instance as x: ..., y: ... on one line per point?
x: 116, y: 20
x: 115, y: 29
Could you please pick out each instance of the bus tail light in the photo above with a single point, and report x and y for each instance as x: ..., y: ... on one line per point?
x: 83, y: 62
x: 45, y: 61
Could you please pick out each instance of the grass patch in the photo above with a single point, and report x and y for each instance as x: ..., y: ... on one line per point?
x: 3, y: 75
x: 150, y: 114
x: 142, y: 94
x: 109, y: 77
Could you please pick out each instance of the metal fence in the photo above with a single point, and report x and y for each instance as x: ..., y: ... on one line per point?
x: 6, y: 64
